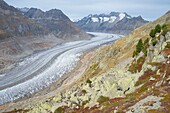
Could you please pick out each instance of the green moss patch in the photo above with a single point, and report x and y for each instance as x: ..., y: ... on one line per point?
x: 59, y: 110
x: 168, y: 45
x: 102, y: 99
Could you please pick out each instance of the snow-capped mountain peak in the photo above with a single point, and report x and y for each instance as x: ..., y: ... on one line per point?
x: 110, y: 18
x: 121, y: 16
x: 110, y: 22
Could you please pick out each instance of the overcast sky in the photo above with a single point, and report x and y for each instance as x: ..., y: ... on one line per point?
x: 76, y: 9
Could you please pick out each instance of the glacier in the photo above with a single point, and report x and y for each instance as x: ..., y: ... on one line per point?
x: 40, y: 70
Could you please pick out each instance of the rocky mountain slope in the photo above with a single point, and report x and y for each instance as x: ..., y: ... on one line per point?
x: 23, y: 10
x: 22, y: 35
x: 13, y: 23
x: 119, y: 79
x: 35, y: 22
x: 115, y: 22
x: 54, y: 20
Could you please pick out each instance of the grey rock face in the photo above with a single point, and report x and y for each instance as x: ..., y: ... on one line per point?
x: 55, y: 21
x: 115, y: 22
x: 13, y: 23
x: 23, y: 10
x: 5, y: 6
x: 34, y: 13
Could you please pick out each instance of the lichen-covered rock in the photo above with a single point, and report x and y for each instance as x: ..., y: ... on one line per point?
x: 126, y: 83
x: 57, y: 99
x: 74, y: 100
x: 149, y: 67
x: 167, y: 36
x: 42, y: 107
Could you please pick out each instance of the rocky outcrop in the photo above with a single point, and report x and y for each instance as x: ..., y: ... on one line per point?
x: 115, y: 22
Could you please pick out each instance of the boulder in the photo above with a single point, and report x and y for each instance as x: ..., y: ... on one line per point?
x: 126, y: 83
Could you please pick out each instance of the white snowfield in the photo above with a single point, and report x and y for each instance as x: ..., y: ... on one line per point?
x: 110, y: 19
x: 42, y: 69
x: 121, y: 16
x: 105, y: 19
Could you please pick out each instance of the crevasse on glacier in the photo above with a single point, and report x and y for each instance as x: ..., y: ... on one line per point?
x: 46, y: 67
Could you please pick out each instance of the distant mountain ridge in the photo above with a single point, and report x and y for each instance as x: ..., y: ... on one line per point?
x: 23, y: 10
x: 112, y: 17
x: 35, y: 13
x: 54, y: 20
x: 115, y: 22
x: 34, y: 22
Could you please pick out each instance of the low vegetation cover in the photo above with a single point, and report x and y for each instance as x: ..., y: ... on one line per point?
x: 102, y: 99
x: 155, y: 35
x: 152, y: 83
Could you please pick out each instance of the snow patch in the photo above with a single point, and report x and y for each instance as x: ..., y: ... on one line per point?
x: 94, y: 19
x: 121, y: 16
x: 75, y: 20
x: 105, y: 19
x: 112, y: 19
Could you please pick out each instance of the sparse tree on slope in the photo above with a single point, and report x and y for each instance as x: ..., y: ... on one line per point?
x: 139, y: 46
x: 158, y: 29
x: 152, y: 33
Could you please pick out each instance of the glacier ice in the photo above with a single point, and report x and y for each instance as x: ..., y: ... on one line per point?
x: 46, y: 67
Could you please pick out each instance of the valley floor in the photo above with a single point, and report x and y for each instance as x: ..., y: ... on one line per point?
x: 66, y: 80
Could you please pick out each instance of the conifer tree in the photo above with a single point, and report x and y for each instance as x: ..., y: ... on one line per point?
x: 139, y: 46
x: 152, y: 33
x: 158, y: 29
